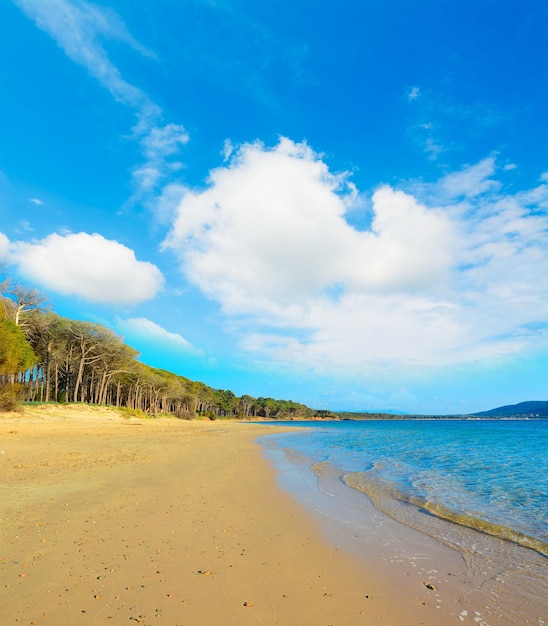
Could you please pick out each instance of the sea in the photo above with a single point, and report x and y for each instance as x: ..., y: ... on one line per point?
x: 478, y: 486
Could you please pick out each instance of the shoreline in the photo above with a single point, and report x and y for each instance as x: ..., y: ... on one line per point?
x: 479, y: 577
x: 384, y: 500
x: 107, y: 519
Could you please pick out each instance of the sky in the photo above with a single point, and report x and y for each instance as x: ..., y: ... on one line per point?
x: 343, y: 204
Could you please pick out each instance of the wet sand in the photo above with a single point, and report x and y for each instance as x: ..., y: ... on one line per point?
x: 108, y: 520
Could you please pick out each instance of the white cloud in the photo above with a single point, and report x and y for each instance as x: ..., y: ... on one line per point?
x: 149, y: 331
x: 270, y: 231
x: 409, y: 247
x: 360, y: 330
x: 472, y: 180
x: 228, y: 149
x: 260, y: 219
x: 4, y: 247
x: 89, y: 266
x: 158, y: 144
x: 80, y: 29
x: 36, y: 201
x: 429, y: 286
x: 165, y: 141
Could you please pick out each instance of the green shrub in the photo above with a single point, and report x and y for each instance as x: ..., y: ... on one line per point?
x: 10, y: 396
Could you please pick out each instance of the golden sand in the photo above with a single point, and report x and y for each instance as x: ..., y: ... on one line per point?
x: 107, y: 520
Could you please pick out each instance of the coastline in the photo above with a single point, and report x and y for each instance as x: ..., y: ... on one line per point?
x: 106, y: 519
x: 478, y: 577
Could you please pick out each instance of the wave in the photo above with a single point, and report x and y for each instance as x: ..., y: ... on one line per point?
x: 386, y: 497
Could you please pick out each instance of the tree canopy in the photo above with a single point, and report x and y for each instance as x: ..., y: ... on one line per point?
x: 16, y: 355
x: 56, y: 359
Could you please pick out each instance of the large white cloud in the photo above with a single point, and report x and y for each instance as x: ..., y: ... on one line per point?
x: 450, y: 272
x: 90, y: 266
x: 270, y: 230
x: 243, y: 238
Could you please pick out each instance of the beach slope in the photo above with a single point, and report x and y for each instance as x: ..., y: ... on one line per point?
x: 108, y: 520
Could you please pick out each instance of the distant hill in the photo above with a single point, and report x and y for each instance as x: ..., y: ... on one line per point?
x: 532, y: 408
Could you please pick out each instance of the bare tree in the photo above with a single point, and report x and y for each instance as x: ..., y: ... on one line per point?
x: 22, y: 300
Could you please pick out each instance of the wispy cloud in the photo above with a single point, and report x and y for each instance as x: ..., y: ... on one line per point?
x: 24, y: 226
x: 428, y: 284
x: 158, y: 145
x: 148, y: 331
x: 36, y: 201
x: 413, y: 93
x: 471, y: 181
x: 439, y: 122
x: 81, y: 30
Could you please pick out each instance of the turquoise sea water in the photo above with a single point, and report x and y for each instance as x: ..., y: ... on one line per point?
x: 491, y: 475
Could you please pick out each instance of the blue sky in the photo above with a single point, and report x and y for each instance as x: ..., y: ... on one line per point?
x: 343, y: 204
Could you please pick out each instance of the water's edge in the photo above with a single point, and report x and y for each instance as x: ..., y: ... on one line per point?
x: 504, y: 581
x: 381, y: 495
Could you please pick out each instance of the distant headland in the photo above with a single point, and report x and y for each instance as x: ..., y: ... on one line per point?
x: 532, y: 409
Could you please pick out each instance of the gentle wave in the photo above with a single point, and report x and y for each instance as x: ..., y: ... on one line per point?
x: 495, y: 472
x: 479, y: 488
x: 380, y: 494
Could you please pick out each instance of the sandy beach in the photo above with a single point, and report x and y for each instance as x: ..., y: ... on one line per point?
x: 109, y: 520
